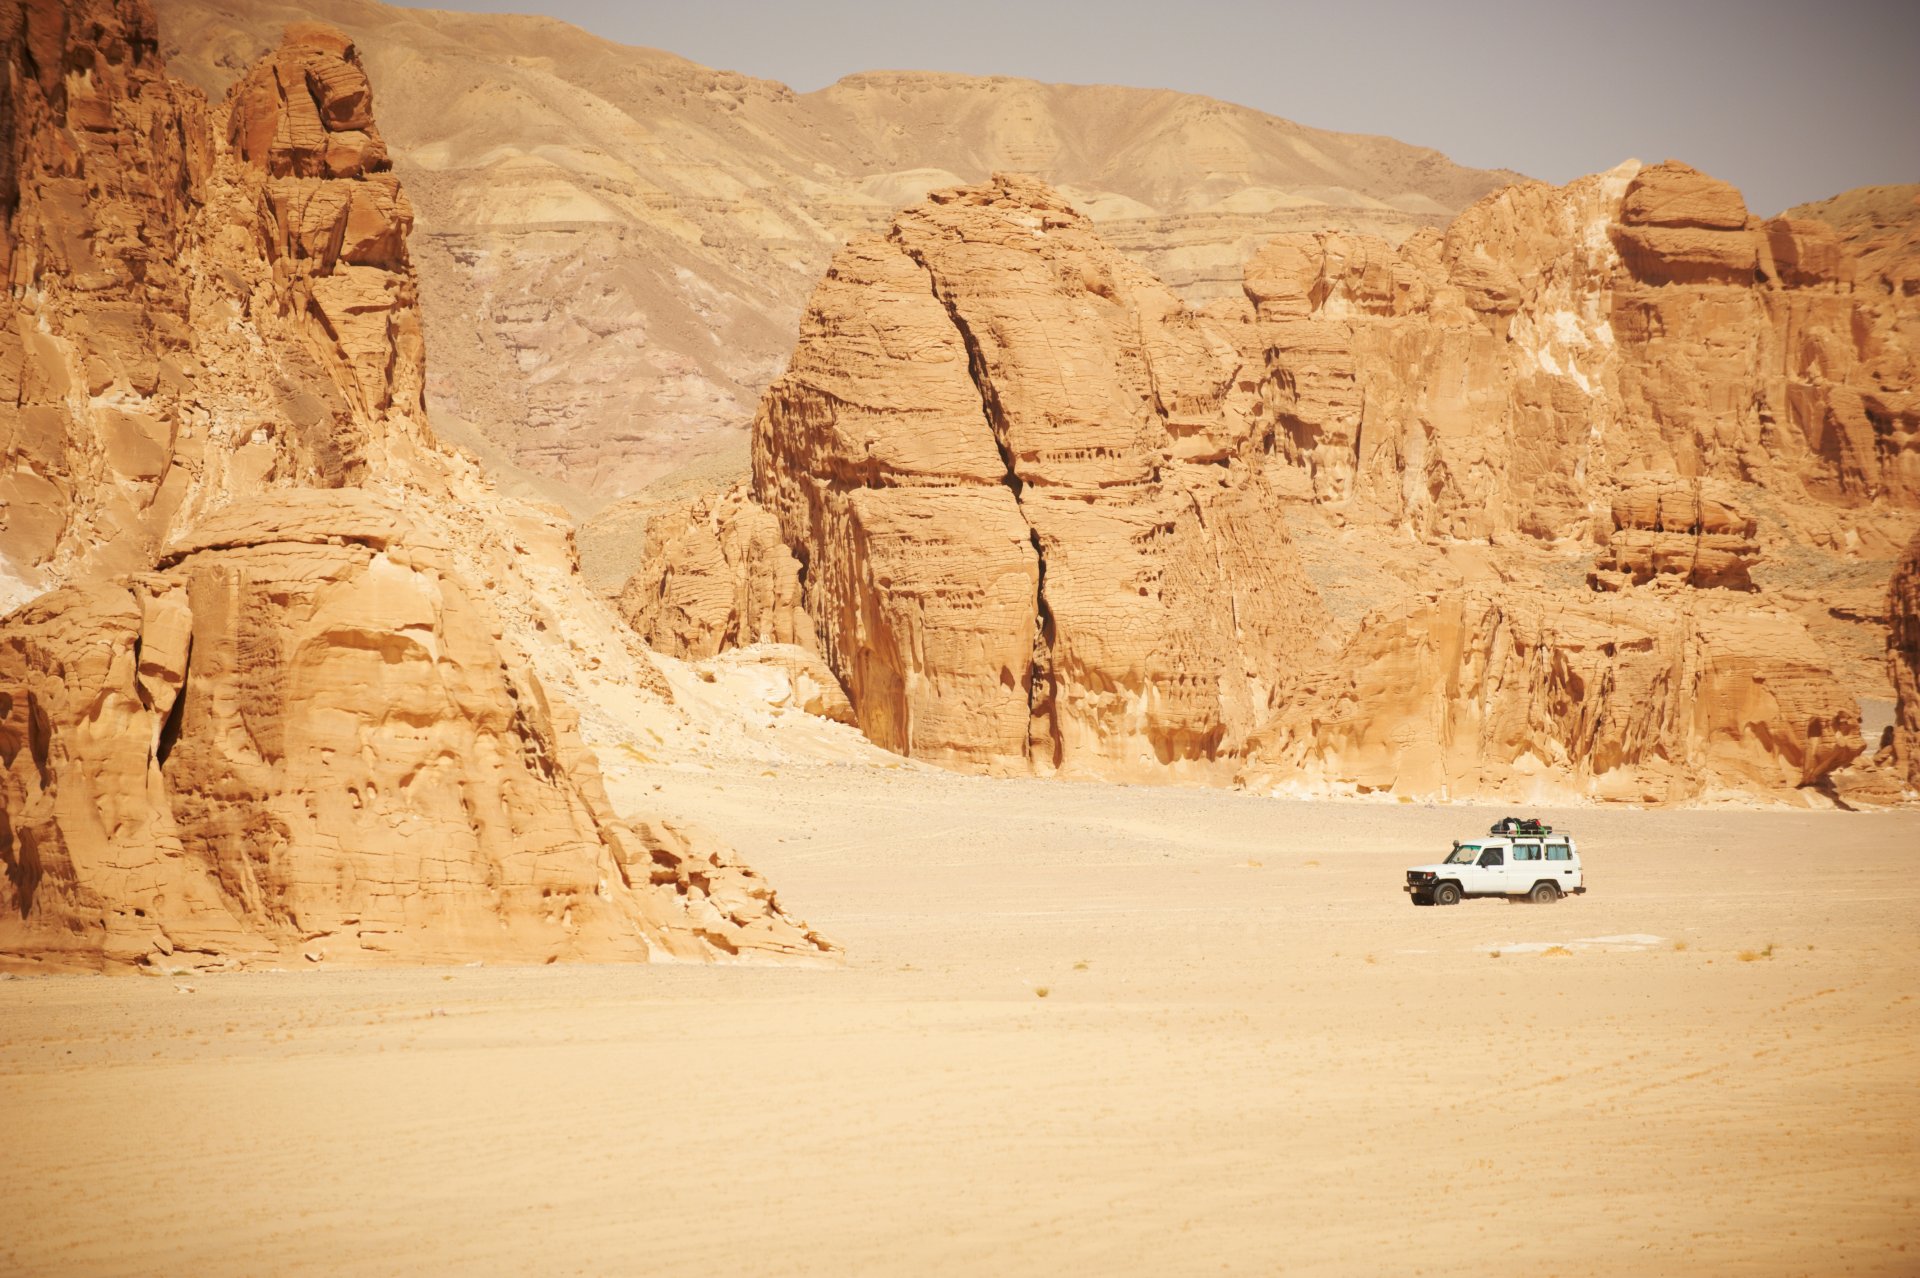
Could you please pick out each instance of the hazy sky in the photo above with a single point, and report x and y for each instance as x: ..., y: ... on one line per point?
x: 1789, y: 101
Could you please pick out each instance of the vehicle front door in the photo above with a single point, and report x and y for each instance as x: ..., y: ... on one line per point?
x: 1489, y: 874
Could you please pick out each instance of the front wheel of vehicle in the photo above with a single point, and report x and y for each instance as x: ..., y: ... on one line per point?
x: 1447, y: 894
x: 1544, y: 894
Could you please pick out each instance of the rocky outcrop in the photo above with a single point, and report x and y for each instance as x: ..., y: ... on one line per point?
x: 1903, y: 663
x: 1000, y: 441
x: 1629, y: 363
x: 301, y: 736
x: 1527, y: 694
x: 185, y: 329
x: 1031, y: 537
x: 1675, y: 530
x: 1556, y: 342
x: 105, y: 157
x: 297, y: 695
x: 716, y: 575
x: 333, y: 216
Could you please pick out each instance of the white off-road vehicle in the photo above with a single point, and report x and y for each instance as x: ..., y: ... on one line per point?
x: 1521, y: 861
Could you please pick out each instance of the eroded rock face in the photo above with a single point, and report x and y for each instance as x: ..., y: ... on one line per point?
x: 302, y: 736
x: 332, y: 213
x: 1031, y: 538
x: 1903, y: 663
x: 297, y: 698
x: 1675, y: 530
x: 1632, y: 363
x: 717, y: 575
x: 998, y: 440
x: 104, y: 161
x: 1655, y: 698
x: 189, y: 322
x: 1556, y: 342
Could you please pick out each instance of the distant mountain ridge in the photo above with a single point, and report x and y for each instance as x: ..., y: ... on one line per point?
x: 633, y: 235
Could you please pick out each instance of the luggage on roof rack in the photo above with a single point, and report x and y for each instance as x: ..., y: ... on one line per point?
x: 1519, y: 825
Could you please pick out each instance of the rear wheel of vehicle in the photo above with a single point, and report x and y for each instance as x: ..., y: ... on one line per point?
x: 1544, y: 894
x: 1447, y: 894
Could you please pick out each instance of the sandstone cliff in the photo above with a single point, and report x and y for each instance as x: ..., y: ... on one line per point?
x: 717, y: 575
x: 1535, y: 694
x: 298, y: 737
x: 1031, y: 540
x: 186, y: 330
x: 1631, y: 364
x: 1903, y: 664
x: 299, y: 687
x: 1635, y: 328
x: 1575, y: 494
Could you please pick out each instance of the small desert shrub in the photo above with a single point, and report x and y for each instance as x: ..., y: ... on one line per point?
x: 1553, y: 951
x: 1679, y: 947
x: 1041, y: 991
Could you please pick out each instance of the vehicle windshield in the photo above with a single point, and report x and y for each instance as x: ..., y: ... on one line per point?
x: 1463, y: 854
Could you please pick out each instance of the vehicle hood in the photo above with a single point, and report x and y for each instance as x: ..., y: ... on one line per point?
x: 1437, y: 868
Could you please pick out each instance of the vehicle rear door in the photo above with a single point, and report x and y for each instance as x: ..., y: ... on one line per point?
x: 1525, y: 865
x: 1563, y: 867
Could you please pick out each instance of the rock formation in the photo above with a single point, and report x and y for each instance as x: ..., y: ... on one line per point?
x: 293, y: 692
x: 1903, y: 664
x: 184, y: 330
x: 1031, y: 538
x: 1631, y: 328
x: 634, y: 236
x: 717, y: 575
x: 104, y: 158
x: 1675, y: 530
x: 1629, y: 362
x: 1528, y: 693
x: 1048, y: 517
x: 298, y: 737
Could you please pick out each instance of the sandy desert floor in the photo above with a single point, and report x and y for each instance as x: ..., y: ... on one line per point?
x: 1081, y: 1029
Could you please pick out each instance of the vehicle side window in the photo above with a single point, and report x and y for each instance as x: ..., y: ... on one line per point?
x: 1492, y: 856
x: 1526, y: 851
x: 1558, y: 852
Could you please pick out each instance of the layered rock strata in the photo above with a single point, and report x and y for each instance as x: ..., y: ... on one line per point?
x: 635, y: 236
x: 1047, y: 517
x: 294, y: 694
x: 716, y: 575
x: 1675, y: 530
x: 1031, y: 540
x: 1632, y: 328
x: 1519, y: 691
